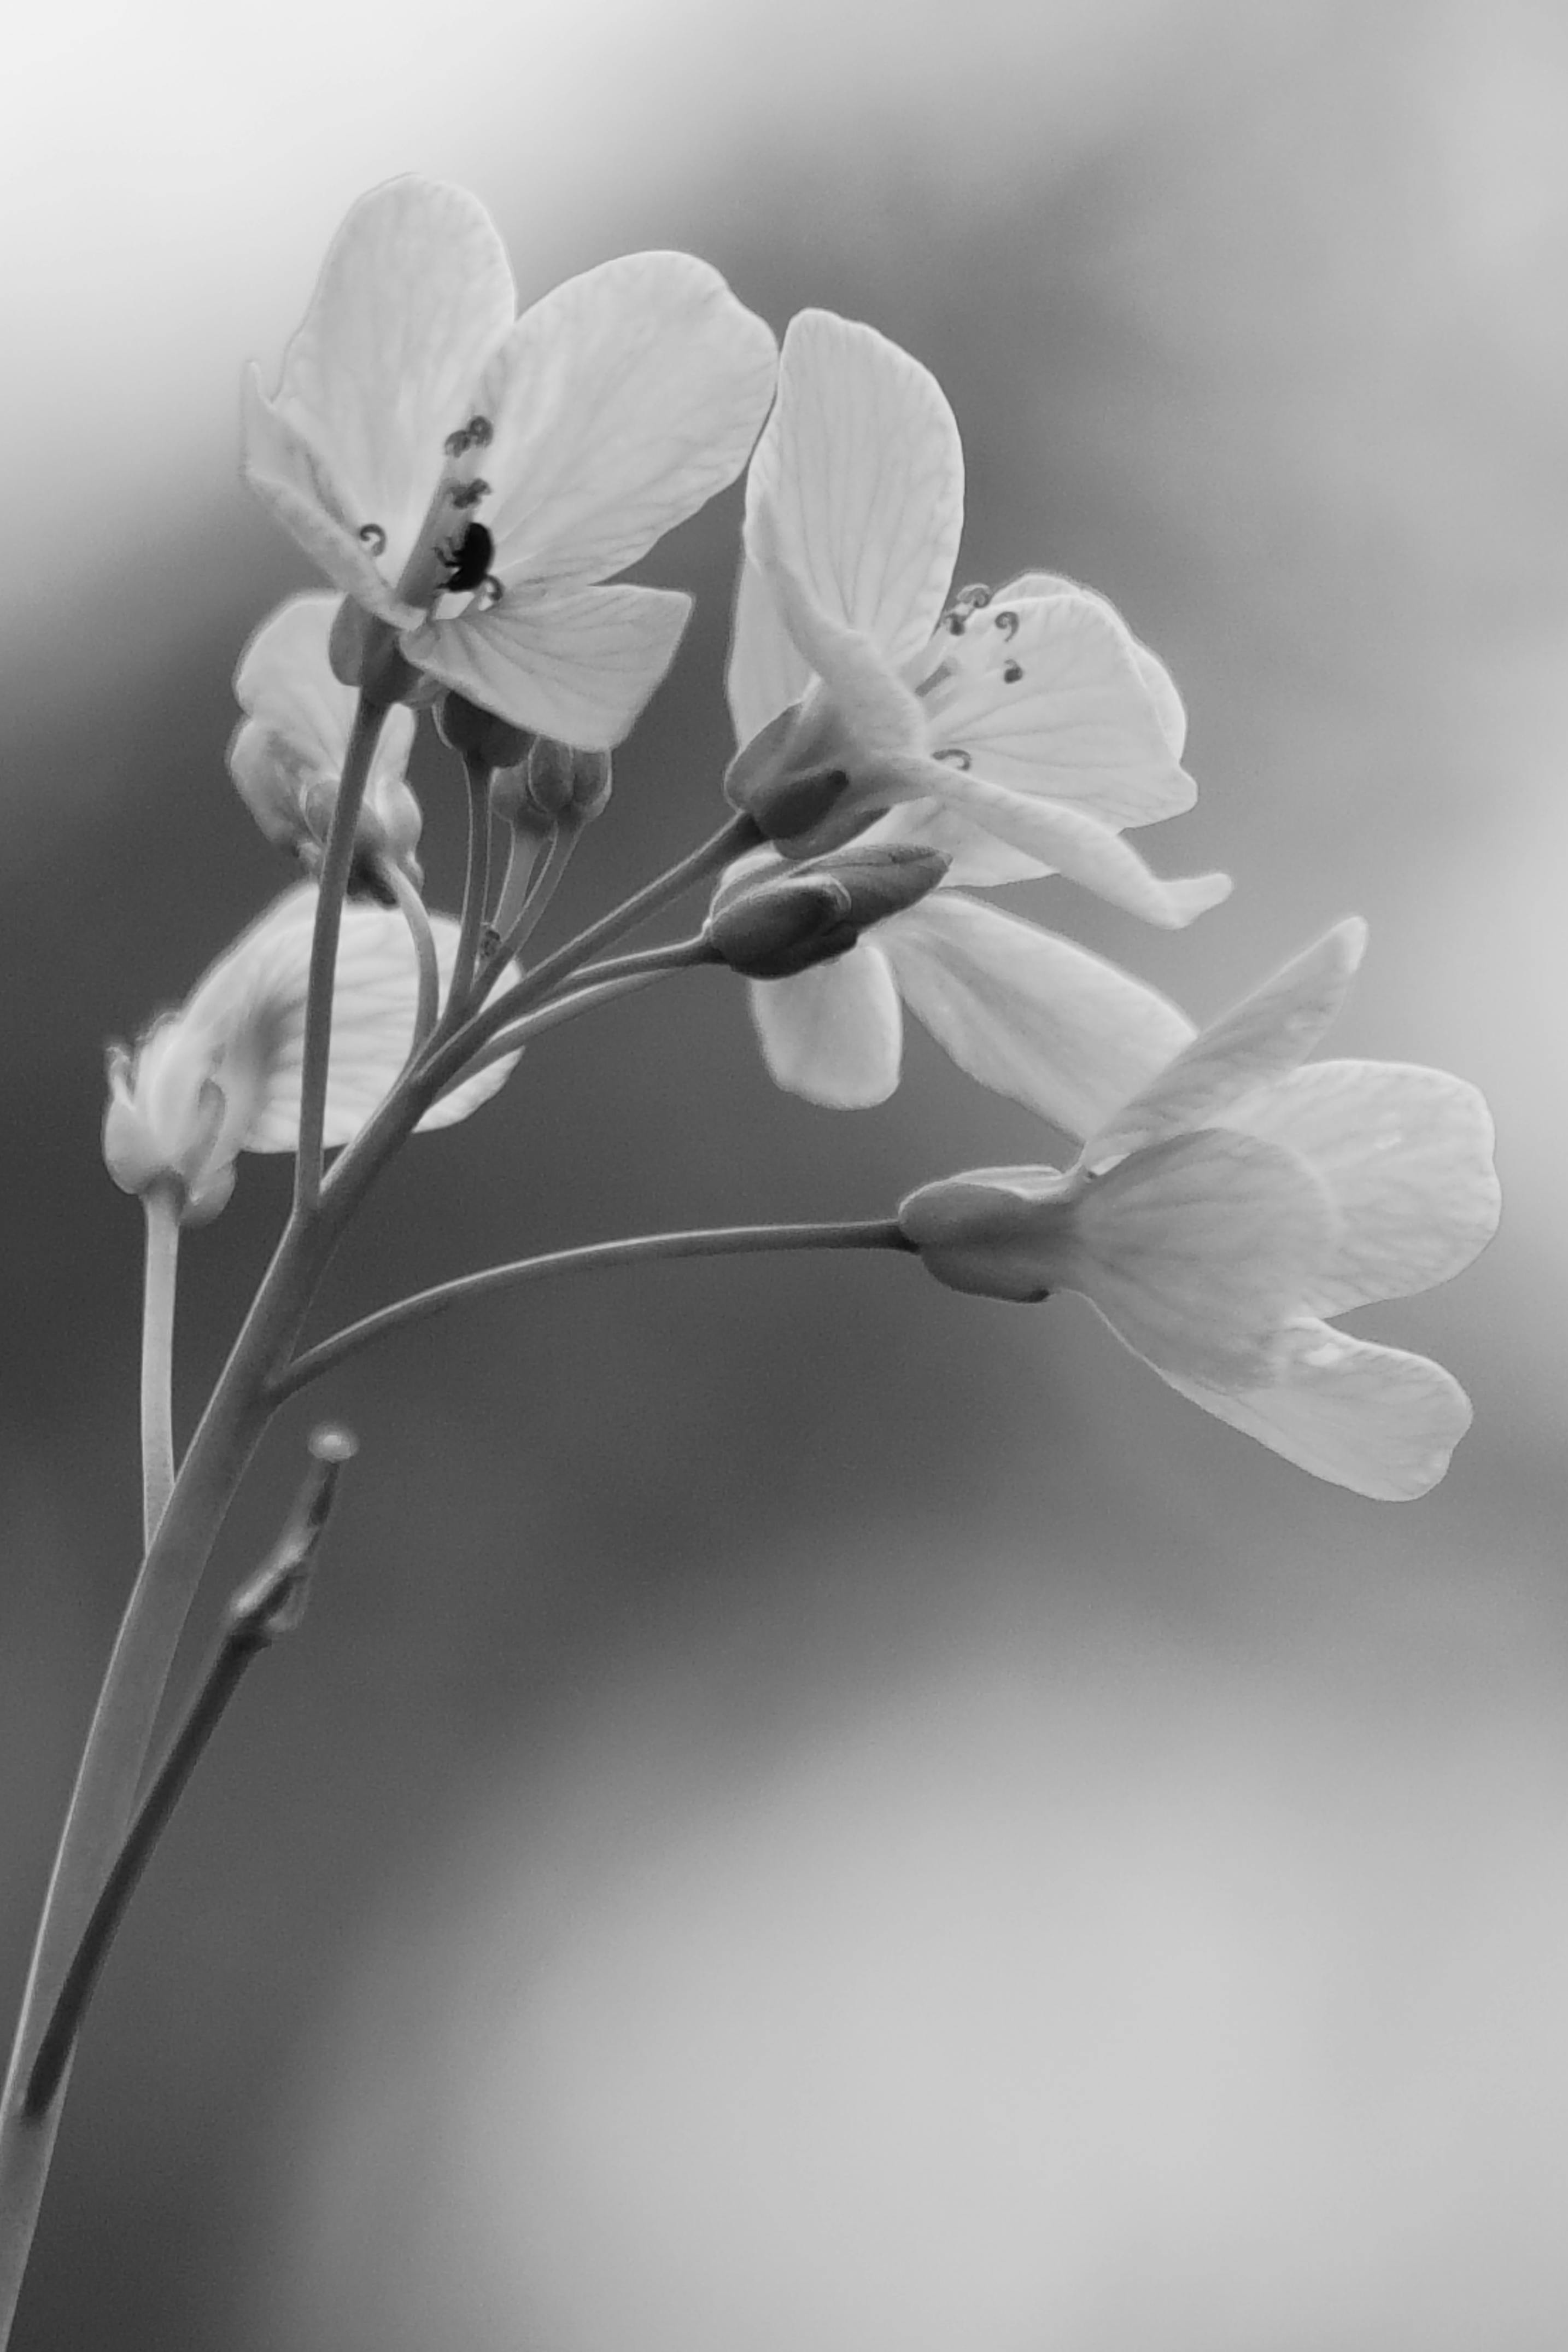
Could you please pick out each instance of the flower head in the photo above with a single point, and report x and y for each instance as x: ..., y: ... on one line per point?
x: 221, y: 1075
x: 287, y: 754
x: 1234, y: 1201
x: 1019, y: 733
x: 472, y: 478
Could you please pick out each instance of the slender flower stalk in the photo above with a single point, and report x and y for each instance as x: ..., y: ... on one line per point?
x: 160, y: 1204
x: 412, y: 907
x: 475, y: 888
x: 601, y: 983
x: 642, y: 1249
x: 335, y: 867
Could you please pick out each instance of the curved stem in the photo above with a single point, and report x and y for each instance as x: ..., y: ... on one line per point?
x: 475, y: 888
x: 160, y: 1204
x: 411, y: 906
x: 517, y: 922
x: 714, y: 1241
x: 602, y: 983
x: 335, y: 867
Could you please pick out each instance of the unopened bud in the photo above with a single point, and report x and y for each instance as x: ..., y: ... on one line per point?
x: 781, y: 920
x: 480, y: 734
x: 562, y: 782
x: 989, y: 1233
x: 166, y: 1124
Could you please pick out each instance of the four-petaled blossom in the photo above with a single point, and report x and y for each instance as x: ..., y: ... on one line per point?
x: 1237, y: 1199
x: 221, y: 1075
x: 424, y: 444
x: 1019, y: 733
x: 287, y: 754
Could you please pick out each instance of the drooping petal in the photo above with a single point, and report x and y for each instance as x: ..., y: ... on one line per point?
x: 1377, y: 1420
x: 577, y: 664
x: 1076, y: 845
x: 1406, y: 1154
x: 1156, y: 678
x: 267, y: 971
x: 872, y: 709
x: 289, y: 475
x: 413, y: 296
x: 1267, y: 1034
x: 620, y: 402
x: 834, y: 1033
x: 284, y: 683
x: 1029, y: 1014
x: 765, y: 673
x: 979, y: 861
x: 861, y: 460
x: 1045, y: 695
x: 1197, y: 1252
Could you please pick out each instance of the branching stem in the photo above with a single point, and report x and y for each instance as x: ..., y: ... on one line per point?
x: 334, y: 881
x: 161, y: 1203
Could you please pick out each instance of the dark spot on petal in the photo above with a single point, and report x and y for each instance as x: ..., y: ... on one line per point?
x: 374, y: 536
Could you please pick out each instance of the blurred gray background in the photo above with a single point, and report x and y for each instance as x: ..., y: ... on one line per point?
x: 810, y: 1811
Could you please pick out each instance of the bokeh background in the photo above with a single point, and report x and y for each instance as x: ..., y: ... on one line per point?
x: 810, y: 1811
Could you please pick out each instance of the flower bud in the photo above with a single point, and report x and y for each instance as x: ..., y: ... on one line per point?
x: 479, y: 733
x: 563, y: 783
x: 292, y: 800
x: 781, y: 920
x: 167, y: 1122
x: 986, y: 1232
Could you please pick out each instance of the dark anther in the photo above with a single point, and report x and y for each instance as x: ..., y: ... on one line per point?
x: 468, y: 560
x: 374, y: 536
x: 481, y: 432
x: 955, y: 757
x: 1007, y: 621
x: 1011, y: 673
x: 490, y: 592
x: 965, y: 604
x: 471, y: 493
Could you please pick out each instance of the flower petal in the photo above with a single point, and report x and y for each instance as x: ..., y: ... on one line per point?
x: 979, y: 861
x: 861, y: 460
x: 765, y: 674
x: 1045, y: 695
x: 1377, y: 1420
x: 284, y: 683
x: 413, y: 296
x: 374, y: 1010
x: 620, y: 402
x: 1267, y: 1034
x: 578, y: 663
x: 1157, y: 680
x: 866, y: 708
x: 1029, y: 1013
x: 1072, y: 842
x: 1406, y: 1155
x: 1197, y: 1252
x: 833, y: 1034
x: 289, y: 475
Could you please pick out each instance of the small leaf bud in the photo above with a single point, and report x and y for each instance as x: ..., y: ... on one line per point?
x: 772, y: 922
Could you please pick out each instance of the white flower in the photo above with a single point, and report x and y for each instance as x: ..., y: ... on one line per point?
x: 1019, y: 733
x: 1234, y: 1201
x: 287, y: 754
x: 1023, y: 1011
x: 221, y: 1075
x: 425, y: 444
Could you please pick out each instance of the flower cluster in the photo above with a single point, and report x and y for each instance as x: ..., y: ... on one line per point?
x: 472, y: 484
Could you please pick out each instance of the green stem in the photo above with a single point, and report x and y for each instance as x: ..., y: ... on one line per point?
x: 518, y: 914
x: 335, y: 869
x: 161, y: 1203
x: 720, y: 1241
x: 412, y: 907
